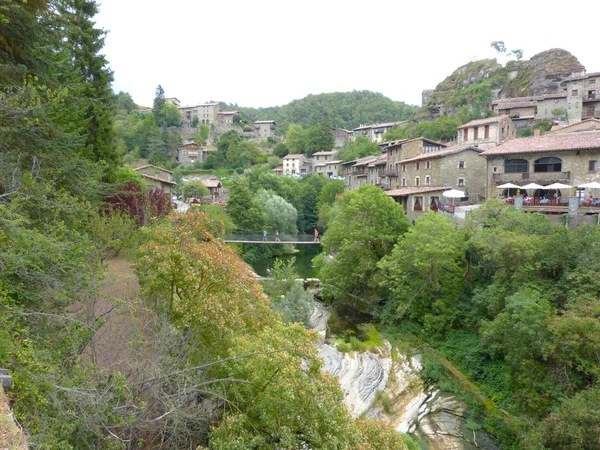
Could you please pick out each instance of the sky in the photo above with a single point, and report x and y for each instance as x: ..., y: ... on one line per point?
x: 268, y: 53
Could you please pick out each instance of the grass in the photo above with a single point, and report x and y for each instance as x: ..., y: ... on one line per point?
x: 368, y: 339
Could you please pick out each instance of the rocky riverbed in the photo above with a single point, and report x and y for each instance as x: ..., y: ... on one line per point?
x: 385, y: 385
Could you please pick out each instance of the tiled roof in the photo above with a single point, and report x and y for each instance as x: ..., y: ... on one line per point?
x: 294, y: 156
x: 157, y: 179
x: 592, y: 122
x: 517, y: 104
x: 441, y: 153
x: 476, y: 123
x: 264, y: 121
x: 337, y: 161
x: 557, y: 95
x: 514, y: 99
x: 548, y: 143
x: 390, y: 124
x: 403, y: 192
x: 212, y: 183
x: 381, y: 160
x: 150, y: 165
x: 325, y: 153
x: 365, y: 160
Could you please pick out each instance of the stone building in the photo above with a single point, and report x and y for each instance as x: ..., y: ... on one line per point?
x: 264, y: 129
x: 374, y: 132
x: 566, y: 155
x: 583, y: 95
x: 173, y: 101
x: 295, y: 164
x: 158, y: 177
x: 206, y: 113
x: 548, y: 104
x: 226, y: 117
x: 341, y: 137
x: 486, y: 133
x: 189, y: 153
x: 376, y: 170
x: 356, y: 172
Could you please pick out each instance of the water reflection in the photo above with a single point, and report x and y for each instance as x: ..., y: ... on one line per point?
x: 303, y: 265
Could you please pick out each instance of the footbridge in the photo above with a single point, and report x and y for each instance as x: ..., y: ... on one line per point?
x: 271, y: 239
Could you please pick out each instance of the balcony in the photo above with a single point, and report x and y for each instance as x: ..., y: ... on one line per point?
x: 591, y: 98
x: 391, y: 173
x: 531, y: 177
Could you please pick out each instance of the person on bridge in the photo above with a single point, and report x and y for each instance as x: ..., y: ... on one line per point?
x: 264, y: 235
x: 277, y: 236
x: 316, y: 239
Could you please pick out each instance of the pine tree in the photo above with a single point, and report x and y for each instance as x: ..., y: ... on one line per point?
x: 157, y: 108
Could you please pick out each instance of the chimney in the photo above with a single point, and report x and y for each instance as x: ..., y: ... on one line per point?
x: 536, y: 131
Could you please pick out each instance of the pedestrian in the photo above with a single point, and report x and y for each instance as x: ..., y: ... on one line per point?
x: 316, y: 239
x: 277, y: 236
x: 268, y: 273
x: 264, y: 235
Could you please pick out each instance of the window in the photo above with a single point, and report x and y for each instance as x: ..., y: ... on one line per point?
x: 428, y: 164
x: 461, y: 182
x: 592, y: 81
x: 461, y: 164
x: 403, y: 167
x: 548, y: 165
x: 476, y: 133
x: 417, y: 181
x: 591, y: 95
x: 435, y: 201
x: 593, y: 166
x: 486, y: 132
x: 427, y: 180
x: 495, y: 169
x: 516, y: 166
x: 418, y: 204
x: 418, y: 166
x: 403, y: 183
x: 575, y: 92
x: 466, y: 134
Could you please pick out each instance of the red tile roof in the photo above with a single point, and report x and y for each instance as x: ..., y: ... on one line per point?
x: 212, y: 183
x: 325, y: 153
x: 548, y: 143
x: 293, y: 156
x: 403, y: 192
x: 475, y: 123
x: 592, y: 122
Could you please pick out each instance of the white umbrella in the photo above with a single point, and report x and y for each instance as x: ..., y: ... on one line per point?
x: 557, y: 186
x: 532, y: 186
x: 453, y: 193
x: 592, y: 185
x: 508, y: 186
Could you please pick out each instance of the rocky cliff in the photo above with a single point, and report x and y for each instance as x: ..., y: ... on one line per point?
x: 476, y: 84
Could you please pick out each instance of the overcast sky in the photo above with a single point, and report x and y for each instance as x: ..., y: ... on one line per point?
x: 270, y: 52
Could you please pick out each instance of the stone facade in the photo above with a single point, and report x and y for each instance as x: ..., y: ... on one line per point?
x: 341, y: 137
x: 206, y: 113
x: 551, y: 102
x: 486, y: 133
x: 566, y: 156
x: 189, y: 153
x: 158, y: 177
x: 583, y: 96
x: 294, y: 164
x: 264, y: 129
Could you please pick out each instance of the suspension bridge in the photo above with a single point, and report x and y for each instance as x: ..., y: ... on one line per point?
x: 297, y: 239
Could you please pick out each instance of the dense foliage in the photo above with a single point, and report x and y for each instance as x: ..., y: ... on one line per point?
x: 345, y: 109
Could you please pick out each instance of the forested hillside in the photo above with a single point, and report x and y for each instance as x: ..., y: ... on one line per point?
x: 346, y: 110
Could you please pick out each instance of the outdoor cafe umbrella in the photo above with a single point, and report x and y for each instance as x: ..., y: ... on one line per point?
x: 453, y: 193
x: 557, y: 186
x: 508, y: 186
x: 591, y: 185
x: 532, y: 186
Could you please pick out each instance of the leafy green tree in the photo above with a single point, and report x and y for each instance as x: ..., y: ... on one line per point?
x: 194, y: 188
x: 244, y: 209
x: 280, y: 150
x: 296, y: 306
x: 171, y: 115
x: 366, y: 225
x: 296, y: 139
x: 425, y: 274
x: 280, y: 215
x: 359, y: 148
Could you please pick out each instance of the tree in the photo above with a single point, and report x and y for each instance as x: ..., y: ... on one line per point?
x: 365, y: 227
x: 498, y: 46
x: 280, y: 215
x: 296, y: 306
x: 171, y: 115
x: 244, y: 209
x: 158, y: 106
x: 359, y: 148
x: 425, y: 274
x: 296, y: 139
x: 194, y: 189
x: 280, y: 150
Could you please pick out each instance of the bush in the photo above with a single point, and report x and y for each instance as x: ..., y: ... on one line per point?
x: 297, y: 305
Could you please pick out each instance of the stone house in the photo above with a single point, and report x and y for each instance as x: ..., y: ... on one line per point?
x: 376, y: 170
x: 356, y: 172
x: 320, y: 157
x: 418, y: 200
x: 341, y: 137
x: 398, y: 151
x: 278, y: 171
x: 363, y: 130
x: 214, y: 186
x: 158, y: 177
x: 206, y: 113
x: 173, y: 101
x: 226, y: 117
x: 486, y: 133
x: 567, y: 155
x: 583, y: 95
x: 295, y: 164
x: 189, y: 153
x: 264, y: 129
x: 551, y: 102
x: 378, y: 130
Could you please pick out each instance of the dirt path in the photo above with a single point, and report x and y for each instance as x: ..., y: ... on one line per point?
x: 124, y: 315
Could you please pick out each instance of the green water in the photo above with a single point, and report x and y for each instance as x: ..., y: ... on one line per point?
x: 303, y: 265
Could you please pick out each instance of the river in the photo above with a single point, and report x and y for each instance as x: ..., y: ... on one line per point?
x: 303, y: 265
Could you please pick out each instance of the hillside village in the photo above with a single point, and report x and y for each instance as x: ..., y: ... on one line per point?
x: 484, y: 155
